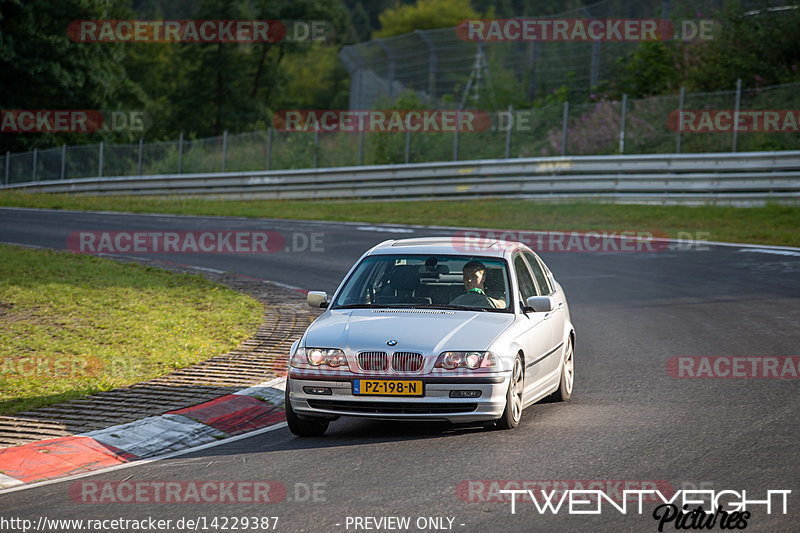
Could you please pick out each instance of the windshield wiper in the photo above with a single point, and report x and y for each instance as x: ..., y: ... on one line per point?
x: 450, y: 307
x: 364, y: 306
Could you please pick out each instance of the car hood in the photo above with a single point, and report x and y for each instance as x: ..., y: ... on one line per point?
x: 415, y: 330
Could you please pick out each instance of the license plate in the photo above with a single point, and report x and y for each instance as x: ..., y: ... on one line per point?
x: 387, y: 387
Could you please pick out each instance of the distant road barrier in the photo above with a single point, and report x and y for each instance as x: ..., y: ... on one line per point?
x: 728, y: 178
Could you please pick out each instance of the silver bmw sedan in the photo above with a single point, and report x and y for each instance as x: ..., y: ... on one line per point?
x: 457, y: 329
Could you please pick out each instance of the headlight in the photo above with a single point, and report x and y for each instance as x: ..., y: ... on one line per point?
x: 332, y: 357
x: 471, y: 360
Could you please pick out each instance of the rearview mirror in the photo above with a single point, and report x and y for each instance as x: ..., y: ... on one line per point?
x: 317, y: 299
x: 540, y: 304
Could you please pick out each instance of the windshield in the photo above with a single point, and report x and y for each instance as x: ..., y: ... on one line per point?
x: 427, y: 281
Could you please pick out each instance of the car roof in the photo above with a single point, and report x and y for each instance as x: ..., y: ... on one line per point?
x: 447, y: 246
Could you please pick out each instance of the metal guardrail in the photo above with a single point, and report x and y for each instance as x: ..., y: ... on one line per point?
x: 744, y: 177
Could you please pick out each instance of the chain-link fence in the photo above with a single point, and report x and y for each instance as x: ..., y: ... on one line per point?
x: 441, y: 65
x: 630, y: 126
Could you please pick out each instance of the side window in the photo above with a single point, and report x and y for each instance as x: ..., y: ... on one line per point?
x: 526, y: 286
x: 538, y: 273
x: 549, y: 276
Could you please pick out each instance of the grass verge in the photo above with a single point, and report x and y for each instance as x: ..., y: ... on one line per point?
x: 72, y: 324
x: 771, y: 224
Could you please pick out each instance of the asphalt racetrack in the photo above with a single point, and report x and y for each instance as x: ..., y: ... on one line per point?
x: 630, y: 419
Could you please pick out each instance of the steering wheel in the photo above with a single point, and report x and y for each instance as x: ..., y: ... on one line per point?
x: 489, y: 301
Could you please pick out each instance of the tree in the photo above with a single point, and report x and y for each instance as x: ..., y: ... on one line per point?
x: 234, y: 86
x: 42, y: 68
x: 364, y: 15
x: 649, y: 70
x: 424, y: 15
x: 760, y: 46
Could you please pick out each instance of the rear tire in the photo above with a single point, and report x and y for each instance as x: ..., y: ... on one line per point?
x: 303, y: 427
x: 513, y: 411
x: 564, y: 391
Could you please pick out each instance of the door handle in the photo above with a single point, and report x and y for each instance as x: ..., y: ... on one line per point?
x: 560, y: 305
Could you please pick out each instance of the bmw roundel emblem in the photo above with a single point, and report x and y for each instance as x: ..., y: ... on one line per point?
x: 391, y: 343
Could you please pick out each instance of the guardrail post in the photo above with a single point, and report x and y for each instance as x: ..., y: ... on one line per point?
x: 508, y: 132
x: 360, y: 146
x: 736, y: 112
x: 224, y: 148
x: 680, y: 112
x: 564, y: 128
x: 269, y: 147
x: 622, y: 125
x: 8, y: 165
x: 63, y: 161
x: 35, y: 163
x: 100, y: 162
x: 455, y: 144
x: 180, y: 153
x: 316, y: 145
x: 408, y: 143
x: 141, y: 145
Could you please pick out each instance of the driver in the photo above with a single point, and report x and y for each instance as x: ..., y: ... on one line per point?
x: 474, y: 273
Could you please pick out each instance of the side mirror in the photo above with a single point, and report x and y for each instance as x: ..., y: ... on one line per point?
x: 317, y: 299
x: 539, y: 304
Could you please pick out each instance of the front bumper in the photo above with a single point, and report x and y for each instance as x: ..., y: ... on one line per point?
x: 435, y: 404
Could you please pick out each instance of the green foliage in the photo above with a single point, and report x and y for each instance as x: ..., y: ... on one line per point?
x: 315, y: 79
x: 386, y: 148
x: 760, y: 46
x: 42, y: 68
x: 424, y: 15
x: 202, y: 89
x: 757, y: 45
x: 652, y: 68
x: 227, y: 86
x: 364, y: 15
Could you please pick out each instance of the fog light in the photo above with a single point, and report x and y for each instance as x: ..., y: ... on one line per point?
x: 465, y: 393
x: 317, y: 390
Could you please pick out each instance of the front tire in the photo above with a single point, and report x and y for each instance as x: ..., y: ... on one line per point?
x: 564, y: 391
x: 513, y: 411
x: 303, y: 427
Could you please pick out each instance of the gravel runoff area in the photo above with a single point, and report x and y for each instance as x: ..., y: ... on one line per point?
x: 258, y: 359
